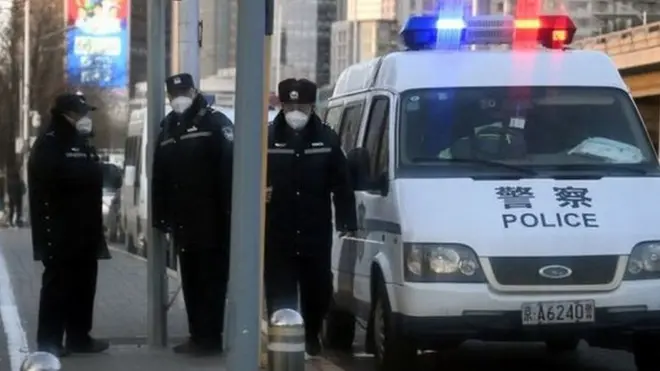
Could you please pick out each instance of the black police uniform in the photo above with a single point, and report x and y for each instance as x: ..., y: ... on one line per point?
x: 65, y: 189
x: 16, y: 190
x: 192, y: 200
x: 304, y: 168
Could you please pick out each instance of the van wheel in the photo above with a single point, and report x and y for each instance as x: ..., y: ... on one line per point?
x: 561, y: 345
x: 391, y: 350
x: 339, y: 330
x: 645, y: 350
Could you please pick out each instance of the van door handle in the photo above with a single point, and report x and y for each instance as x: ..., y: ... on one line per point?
x: 382, y: 237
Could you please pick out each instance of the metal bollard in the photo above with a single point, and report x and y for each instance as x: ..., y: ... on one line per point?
x: 286, y: 341
x: 41, y: 361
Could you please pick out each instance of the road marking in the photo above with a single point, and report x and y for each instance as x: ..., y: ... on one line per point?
x: 17, y: 345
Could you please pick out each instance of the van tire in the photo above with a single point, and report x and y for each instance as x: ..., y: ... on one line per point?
x: 562, y: 345
x: 339, y: 330
x: 392, y: 351
x: 645, y: 352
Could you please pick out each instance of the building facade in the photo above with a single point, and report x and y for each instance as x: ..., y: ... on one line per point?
x: 364, y: 30
x: 359, y: 41
x: 304, y: 45
x: 138, y: 37
x: 220, y: 18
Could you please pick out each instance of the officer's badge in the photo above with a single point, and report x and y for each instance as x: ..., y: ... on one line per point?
x: 177, y: 80
x: 228, y: 133
x: 293, y: 95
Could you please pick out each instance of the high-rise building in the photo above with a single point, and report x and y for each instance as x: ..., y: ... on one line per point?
x: 364, y: 30
x: 138, y: 36
x: 219, y: 19
x: 358, y: 41
x: 304, y: 41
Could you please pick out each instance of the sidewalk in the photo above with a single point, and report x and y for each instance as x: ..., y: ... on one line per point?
x: 133, y: 358
x: 121, y: 300
x: 120, y: 313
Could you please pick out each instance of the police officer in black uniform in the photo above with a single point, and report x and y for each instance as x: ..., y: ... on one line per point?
x: 305, y: 167
x: 192, y: 201
x: 65, y: 189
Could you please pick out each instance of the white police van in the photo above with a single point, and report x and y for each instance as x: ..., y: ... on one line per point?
x: 502, y: 194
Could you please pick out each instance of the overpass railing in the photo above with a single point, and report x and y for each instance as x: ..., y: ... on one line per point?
x: 622, y: 42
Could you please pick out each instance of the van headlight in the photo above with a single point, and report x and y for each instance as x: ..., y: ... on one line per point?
x: 644, y: 262
x: 441, y: 263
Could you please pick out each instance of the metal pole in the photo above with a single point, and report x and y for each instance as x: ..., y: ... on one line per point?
x: 156, y: 272
x: 286, y: 341
x: 278, y: 42
x: 189, y: 38
x: 26, y: 102
x: 174, y: 39
x: 249, y: 186
x: 264, y: 143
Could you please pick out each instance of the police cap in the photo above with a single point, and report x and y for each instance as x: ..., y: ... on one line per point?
x: 300, y: 91
x: 70, y: 102
x: 179, y: 83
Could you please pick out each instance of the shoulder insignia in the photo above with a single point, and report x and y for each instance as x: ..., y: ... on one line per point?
x: 228, y: 133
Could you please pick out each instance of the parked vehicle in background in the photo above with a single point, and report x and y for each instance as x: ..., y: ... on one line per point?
x: 133, y: 194
x: 112, y: 180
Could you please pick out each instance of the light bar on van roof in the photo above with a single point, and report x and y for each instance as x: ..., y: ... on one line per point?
x: 431, y: 32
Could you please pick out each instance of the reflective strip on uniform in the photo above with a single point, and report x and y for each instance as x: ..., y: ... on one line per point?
x: 196, y: 135
x: 76, y: 154
x: 166, y: 142
x: 281, y: 150
x: 287, y: 348
x: 312, y: 151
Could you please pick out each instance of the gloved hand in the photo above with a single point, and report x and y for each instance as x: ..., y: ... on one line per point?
x: 162, y: 226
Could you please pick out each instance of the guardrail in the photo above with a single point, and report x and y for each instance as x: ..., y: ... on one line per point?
x: 622, y: 42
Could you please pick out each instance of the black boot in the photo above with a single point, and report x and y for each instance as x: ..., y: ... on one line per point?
x: 87, y: 345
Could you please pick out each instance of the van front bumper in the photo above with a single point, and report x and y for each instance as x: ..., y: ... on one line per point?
x: 437, y: 312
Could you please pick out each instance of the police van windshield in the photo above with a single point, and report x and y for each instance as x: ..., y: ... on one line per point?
x: 499, y: 129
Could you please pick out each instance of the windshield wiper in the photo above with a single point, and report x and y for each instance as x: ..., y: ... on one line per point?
x: 604, y: 166
x: 478, y: 161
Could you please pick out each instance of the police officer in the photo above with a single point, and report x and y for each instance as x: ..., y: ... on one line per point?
x: 305, y: 167
x: 192, y: 200
x: 65, y: 190
x: 16, y: 190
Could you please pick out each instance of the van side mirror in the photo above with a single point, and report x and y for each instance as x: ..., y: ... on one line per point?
x: 382, y: 184
x: 358, y: 168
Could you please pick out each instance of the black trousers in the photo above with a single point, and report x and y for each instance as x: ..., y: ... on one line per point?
x: 204, y: 276
x: 284, y: 274
x: 66, y: 304
x: 15, y: 211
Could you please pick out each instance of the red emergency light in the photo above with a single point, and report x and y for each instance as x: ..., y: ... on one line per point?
x: 551, y: 31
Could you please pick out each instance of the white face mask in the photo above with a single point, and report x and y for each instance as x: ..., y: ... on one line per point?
x: 296, y: 119
x: 181, y: 104
x: 84, y: 125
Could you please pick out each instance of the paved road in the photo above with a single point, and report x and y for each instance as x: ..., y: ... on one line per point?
x: 121, y: 317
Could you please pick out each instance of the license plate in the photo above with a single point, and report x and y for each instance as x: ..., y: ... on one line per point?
x: 558, y: 312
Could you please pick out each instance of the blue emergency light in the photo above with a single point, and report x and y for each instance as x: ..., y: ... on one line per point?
x: 432, y: 32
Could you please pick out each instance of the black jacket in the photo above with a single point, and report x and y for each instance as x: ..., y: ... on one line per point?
x: 304, y: 169
x: 192, y: 177
x: 65, y: 190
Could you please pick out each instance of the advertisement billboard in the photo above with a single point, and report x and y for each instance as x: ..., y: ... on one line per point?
x: 98, y: 42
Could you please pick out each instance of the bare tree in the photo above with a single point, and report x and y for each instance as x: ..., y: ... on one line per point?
x: 48, y: 75
x: 47, y: 53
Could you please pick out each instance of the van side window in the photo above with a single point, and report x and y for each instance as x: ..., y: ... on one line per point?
x: 376, y: 128
x: 333, y: 117
x: 350, y: 126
